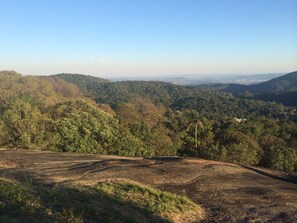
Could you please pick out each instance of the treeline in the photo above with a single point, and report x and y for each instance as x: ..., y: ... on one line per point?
x: 143, y: 119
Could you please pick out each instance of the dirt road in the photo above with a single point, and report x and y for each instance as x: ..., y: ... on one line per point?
x: 228, y: 192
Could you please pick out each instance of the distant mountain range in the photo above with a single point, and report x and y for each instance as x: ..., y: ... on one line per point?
x: 282, y: 89
x: 196, y: 79
x: 285, y: 83
x: 177, y: 97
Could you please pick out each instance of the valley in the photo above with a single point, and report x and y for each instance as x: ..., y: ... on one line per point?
x: 148, y: 111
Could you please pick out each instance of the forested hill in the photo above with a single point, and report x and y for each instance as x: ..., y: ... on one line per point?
x: 84, y: 82
x: 48, y: 113
x: 283, y: 84
x: 281, y: 90
x: 210, y: 103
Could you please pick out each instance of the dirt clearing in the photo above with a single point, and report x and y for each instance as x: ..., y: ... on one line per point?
x: 227, y: 192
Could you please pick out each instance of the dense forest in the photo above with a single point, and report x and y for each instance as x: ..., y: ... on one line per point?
x: 78, y: 113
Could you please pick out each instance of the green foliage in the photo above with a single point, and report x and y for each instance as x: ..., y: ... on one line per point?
x: 164, y: 118
x: 44, y: 113
x: 146, y: 121
x: 287, y: 98
x: 12, y: 192
x: 81, y: 127
x: 240, y: 147
x: 210, y: 103
x: 126, y: 144
x: 280, y: 158
x: 23, y: 125
x: 17, y: 204
x: 155, y: 201
x: 216, y: 152
x: 149, y: 118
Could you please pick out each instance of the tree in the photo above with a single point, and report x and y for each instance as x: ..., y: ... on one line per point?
x: 281, y: 158
x: 23, y: 125
x: 241, y: 148
x: 82, y: 127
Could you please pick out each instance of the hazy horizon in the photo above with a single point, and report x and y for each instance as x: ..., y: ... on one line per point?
x: 158, y: 76
x: 148, y: 38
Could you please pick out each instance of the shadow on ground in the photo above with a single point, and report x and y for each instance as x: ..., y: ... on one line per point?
x: 164, y: 158
x: 285, y: 177
x: 64, y: 204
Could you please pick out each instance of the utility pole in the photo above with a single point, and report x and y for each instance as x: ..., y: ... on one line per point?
x: 196, y: 135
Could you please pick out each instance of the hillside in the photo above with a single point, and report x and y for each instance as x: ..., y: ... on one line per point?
x: 285, y: 83
x: 48, y: 113
x: 84, y: 82
x: 287, y: 98
x: 178, y: 97
x: 282, y: 90
x: 94, y: 188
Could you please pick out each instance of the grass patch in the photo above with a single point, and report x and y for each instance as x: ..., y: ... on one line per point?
x: 168, y: 205
x: 17, y: 203
x: 105, y: 202
x: 24, y: 203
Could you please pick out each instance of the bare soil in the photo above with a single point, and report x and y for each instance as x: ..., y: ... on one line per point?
x: 227, y: 192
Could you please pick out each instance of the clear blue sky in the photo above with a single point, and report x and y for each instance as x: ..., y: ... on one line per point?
x: 148, y: 37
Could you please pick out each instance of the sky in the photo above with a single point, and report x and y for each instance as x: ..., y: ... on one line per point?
x: 148, y: 37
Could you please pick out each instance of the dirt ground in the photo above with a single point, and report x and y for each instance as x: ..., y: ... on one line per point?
x: 227, y: 192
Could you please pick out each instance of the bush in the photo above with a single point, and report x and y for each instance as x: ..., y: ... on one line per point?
x: 281, y: 158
